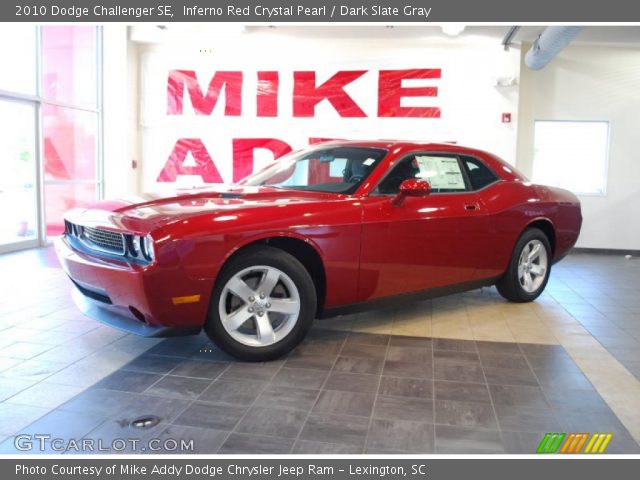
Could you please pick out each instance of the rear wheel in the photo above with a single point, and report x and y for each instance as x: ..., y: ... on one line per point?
x: 262, y: 306
x: 529, y: 268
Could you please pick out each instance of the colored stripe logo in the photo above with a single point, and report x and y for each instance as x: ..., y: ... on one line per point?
x: 556, y: 442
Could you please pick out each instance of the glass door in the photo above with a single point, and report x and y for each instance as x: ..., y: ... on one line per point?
x: 18, y: 176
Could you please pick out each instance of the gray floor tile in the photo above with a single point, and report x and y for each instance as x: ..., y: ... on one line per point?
x: 555, y: 363
x: 276, y: 422
x: 173, y: 349
x: 453, y: 356
x: 521, y: 442
x: 625, y: 354
x: 340, y: 429
x: 205, y: 440
x: 408, y: 369
x: 363, y: 351
x: 128, y: 381
x: 361, y: 338
x: 576, y: 421
x: 462, y: 440
x: 152, y: 364
x: 503, y: 361
x: 498, y: 348
x: 167, y: 409
x: 526, y: 419
x: 105, y: 403
x: 352, y: 382
x: 300, y: 377
x: 458, y: 372
x: 413, y: 342
x: 199, y: 369
x: 406, y: 387
x: 572, y: 380
x: 251, y: 371
x: 238, y: 443
x: 465, y: 414
x: 287, y: 397
x: 311, y: 361
x: 402, y: 435
x: 65, y: 425
x: 454, y: 345
x: 404, y: 408
x: 358, y: 365
x: 207, y: 415
x: 178, y: 387
x: 510, y: 376
x: 233, y: 393
x: 409, y: 354
x: 582, y: 400
x: 518, y: 395
x: 344, y: 403
x: 304, y: 447
x: 462, y: 392
x: 542, y: 350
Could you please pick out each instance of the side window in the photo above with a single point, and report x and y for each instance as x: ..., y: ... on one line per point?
x: 407, y: 168
x: 442, y: 172
x: 479, y: 174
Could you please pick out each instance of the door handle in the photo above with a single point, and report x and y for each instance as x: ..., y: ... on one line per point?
x: 471, y: 206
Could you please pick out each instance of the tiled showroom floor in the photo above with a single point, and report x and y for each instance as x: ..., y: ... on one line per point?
x: 462, y: 374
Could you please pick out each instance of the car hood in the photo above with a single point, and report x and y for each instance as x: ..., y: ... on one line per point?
x: 141, y: 213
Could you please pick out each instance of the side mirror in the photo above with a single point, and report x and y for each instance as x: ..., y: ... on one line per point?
x: 411, y: 188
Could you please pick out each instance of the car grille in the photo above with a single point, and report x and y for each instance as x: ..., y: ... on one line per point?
x: 97, y: 238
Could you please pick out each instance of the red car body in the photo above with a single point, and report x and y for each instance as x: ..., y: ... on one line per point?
x: 360, y: 248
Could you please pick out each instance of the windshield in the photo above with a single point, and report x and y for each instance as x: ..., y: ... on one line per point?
x: 331, y: 170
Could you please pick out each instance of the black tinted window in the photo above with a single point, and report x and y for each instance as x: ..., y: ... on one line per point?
x: 479, y: 174
x: 443, y: 172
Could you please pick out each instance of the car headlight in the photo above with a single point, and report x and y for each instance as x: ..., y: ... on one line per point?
x: 146, y: 244
x: 141, y: 247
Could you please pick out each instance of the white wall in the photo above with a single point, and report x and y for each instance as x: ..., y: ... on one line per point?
x: 119, y: 92
x: 471, y: 104
x: 592, y: 83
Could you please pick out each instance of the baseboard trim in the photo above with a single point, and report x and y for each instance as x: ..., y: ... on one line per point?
x: 606, y: 251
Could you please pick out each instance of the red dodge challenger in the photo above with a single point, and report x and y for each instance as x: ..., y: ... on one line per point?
x: 337, y: 227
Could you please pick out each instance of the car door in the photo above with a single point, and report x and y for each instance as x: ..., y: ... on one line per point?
x: 426, y: 242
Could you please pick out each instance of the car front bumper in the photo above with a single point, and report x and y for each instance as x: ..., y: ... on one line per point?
x: 151, y: 301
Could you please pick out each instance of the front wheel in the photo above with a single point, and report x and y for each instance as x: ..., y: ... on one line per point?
x: 529, y: 268
x: 262, y: 306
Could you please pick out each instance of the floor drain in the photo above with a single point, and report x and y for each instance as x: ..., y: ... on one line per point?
x: 147, y: 421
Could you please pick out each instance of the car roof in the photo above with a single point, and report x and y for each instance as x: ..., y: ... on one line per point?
x: 506, y: 171
x: 403, y: 144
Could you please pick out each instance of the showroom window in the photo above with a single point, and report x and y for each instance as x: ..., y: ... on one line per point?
x: 50, y: 106
x: 572, y: 155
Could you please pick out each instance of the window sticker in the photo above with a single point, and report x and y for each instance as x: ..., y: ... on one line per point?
x: 369, y: 161
x: 441, y: 172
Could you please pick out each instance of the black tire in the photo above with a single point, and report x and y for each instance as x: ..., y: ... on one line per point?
x: 509, y: 285
x: 272, y: 257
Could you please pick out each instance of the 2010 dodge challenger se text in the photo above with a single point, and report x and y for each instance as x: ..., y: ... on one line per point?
x: 334, y: 228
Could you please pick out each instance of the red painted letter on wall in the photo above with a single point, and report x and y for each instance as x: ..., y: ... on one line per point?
x: 391, y: 91
x: 306, y: 95
x: 244, y: 148
x: 267, y: 95
x: 204, y: 167
x: 203, y: 104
